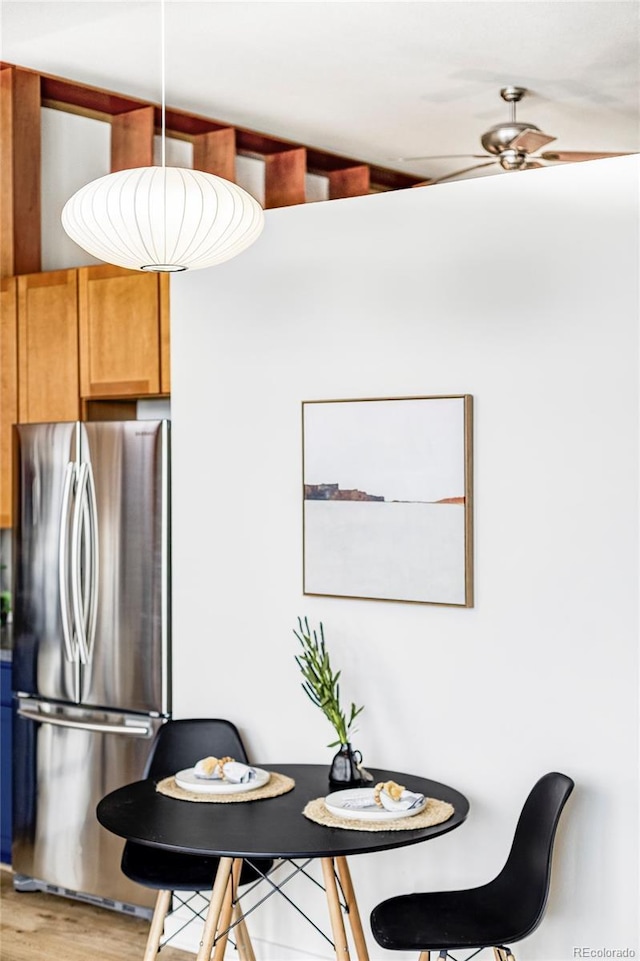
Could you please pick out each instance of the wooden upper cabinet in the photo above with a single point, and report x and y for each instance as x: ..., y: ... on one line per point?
x: 8, y: 390
x: 48, y: 371
x: 124, y: 332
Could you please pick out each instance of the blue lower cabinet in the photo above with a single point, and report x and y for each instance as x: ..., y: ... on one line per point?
x: 5, y: 763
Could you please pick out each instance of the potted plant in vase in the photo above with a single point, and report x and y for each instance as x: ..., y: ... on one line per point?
x: 322, y: 687
x: 5, y: 606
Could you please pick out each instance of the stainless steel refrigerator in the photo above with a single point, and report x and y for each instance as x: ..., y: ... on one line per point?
x: 91, y: 659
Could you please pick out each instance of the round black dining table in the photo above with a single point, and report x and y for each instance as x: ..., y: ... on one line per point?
x: 268, y: 828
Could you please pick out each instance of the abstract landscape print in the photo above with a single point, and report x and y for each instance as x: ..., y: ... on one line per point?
x: 387, y: 499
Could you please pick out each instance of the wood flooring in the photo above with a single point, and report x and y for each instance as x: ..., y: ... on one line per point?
x: 44, y: 927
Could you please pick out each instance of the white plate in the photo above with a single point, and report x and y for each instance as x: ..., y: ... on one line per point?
x: 188, y: 781
x: 338, y: 803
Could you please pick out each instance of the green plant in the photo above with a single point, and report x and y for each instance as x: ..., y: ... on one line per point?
x: 320, y: 683
x: 5, y: 602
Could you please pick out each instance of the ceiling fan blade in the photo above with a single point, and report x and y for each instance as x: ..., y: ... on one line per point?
x: 532, y: 165
x: 458, y: 173
x: 444, y: 156
x: 530, y: 140
x: 574, y: 156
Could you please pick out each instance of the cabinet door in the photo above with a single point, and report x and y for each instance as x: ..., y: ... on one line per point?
x: 5, y: 763
x: 8, y: 390
x: 48, y: 347
x: 165, y: 344
x: 120, y: 337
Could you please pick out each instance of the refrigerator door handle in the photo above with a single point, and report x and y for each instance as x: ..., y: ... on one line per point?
x: 63, y: 563
x: 92, y: 616
x: 77, y: 525
x: 128, y: 730
x: 84, y: 566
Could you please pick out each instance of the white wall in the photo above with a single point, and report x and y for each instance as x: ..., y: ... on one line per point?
x: 521, y: 290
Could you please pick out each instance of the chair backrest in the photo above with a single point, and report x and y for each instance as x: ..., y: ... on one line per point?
x: 179, y: 744
x: 523, y: 882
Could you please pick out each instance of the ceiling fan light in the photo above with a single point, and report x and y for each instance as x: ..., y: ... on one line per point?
x: 512, y: 160
x: 163, y: 218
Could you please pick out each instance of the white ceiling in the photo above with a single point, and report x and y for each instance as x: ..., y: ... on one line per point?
x: 370, y: 80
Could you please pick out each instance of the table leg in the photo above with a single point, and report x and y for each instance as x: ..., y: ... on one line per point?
x: 243, y: 941
x: 163, y: 903
x: 335, y: 911
x: 225, y: 914
x: 352, y: 909
x: 215, y: 907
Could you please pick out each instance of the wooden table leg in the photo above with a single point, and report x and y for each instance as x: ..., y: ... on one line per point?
x: 335, y: 911
x: 232, y: 913
x: 224, y: 921
x: 243, y: 941
x: 352, y: 909
x: 215, y: 907
x: 163, y: 903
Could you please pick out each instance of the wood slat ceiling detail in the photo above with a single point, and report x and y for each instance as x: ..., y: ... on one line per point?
x: 134, y: 122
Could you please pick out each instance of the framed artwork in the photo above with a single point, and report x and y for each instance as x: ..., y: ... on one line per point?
x: 387, y: 499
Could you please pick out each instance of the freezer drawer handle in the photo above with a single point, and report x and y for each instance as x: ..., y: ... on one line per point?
x: 130, y: 730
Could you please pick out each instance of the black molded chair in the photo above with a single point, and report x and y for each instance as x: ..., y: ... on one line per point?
x: 179, y: 745
x: 495, y: 915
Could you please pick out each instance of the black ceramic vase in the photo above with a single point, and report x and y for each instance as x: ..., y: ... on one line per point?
x: 346, y: 769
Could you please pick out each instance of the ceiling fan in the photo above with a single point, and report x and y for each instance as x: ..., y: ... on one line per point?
x: 513, y: 144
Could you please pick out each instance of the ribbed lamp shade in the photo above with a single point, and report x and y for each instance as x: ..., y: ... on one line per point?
x: 163, y: 218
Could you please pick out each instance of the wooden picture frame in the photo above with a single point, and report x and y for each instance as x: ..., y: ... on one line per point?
x: 388, y: 499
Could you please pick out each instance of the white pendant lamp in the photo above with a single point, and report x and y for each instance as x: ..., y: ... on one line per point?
x: 163, y: 218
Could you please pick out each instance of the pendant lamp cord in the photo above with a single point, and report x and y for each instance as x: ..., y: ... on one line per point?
x: 163, y: 125
x: 163, y: 121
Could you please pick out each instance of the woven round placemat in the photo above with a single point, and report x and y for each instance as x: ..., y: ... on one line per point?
x: 276, y: 785
x: 434, y: 812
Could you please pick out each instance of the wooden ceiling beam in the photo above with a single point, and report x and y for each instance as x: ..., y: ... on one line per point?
x: 20, y: 190
x: 85, y: 98
x: 284, y: 178
x: 350, y: 182
x: 132, y: 139
x: 214, y: 152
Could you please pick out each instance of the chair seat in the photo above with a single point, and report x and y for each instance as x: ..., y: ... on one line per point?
x: 173, y: 871
x: 440, y: 920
